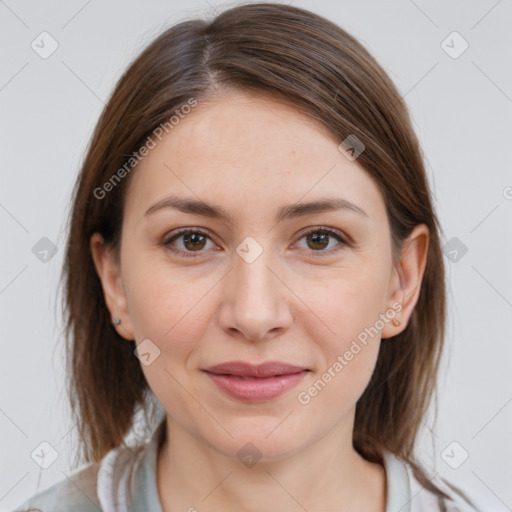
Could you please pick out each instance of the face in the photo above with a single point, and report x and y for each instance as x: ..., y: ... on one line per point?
x: 253, y: 286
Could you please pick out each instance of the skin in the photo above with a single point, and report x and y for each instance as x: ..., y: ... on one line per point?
x: 251, y: 155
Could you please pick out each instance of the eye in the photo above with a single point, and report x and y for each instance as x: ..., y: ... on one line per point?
x: 318, y: 239
x: 193, y: 241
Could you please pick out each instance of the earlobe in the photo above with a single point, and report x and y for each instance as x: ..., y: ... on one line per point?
x: 407, y: 279
x: 108, y: 270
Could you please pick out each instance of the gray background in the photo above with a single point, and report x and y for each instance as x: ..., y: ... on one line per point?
x: 461, y: 108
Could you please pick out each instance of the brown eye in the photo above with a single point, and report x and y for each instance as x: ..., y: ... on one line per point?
x: 319, y: 238
x: 193, y: 241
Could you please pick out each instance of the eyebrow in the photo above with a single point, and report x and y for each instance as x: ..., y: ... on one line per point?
x: 197, y: 207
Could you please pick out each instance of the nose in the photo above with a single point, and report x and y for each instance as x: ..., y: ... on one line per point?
x: 255, y: 300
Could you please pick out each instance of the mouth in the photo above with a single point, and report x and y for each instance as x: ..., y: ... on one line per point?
x: 263, y: 370
x: 250, y: 383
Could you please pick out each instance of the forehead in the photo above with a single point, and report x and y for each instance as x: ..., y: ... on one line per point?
x: 252, y: 152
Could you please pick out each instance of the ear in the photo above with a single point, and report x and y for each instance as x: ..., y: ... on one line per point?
x: 405, y: 283
x: 108, y: 269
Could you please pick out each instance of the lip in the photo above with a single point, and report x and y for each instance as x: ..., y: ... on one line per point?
x: 255, y: 383
x: 242, y: 369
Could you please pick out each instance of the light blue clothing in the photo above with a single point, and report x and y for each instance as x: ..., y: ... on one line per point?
x: 125, y: 481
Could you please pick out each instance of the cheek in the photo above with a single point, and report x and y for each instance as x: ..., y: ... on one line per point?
x: 346, y: 328
x: 346, y: 359
x: 346, y: 303
x: 166, y: 305
x: 172, y: 311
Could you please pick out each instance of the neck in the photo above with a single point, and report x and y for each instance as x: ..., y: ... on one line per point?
x: 326, y: 475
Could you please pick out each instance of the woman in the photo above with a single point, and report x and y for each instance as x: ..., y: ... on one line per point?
x: 254, y: 265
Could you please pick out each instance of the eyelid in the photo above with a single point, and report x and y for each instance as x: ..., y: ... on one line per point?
x: 332, y: 231
x: 344, y: 240
x: 183, y: 231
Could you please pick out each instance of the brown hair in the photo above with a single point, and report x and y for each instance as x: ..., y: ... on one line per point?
x: 299, y: 57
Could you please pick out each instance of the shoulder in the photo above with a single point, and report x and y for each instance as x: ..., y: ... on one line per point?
x: 76, y: 491
x: 460, y: 498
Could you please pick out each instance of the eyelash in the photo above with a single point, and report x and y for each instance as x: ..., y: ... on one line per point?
x: 320, y: 229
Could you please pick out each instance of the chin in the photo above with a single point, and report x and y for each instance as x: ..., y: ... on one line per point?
x: 258, y: 441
